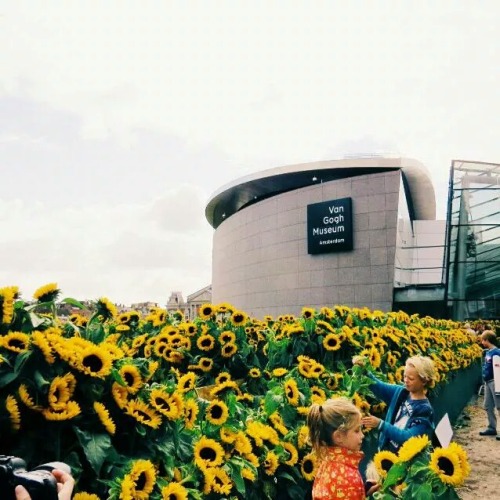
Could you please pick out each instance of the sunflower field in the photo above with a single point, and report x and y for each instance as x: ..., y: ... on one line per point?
x: 158, y: 406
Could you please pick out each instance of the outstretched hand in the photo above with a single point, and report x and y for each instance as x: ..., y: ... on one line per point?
x: 370, y: 422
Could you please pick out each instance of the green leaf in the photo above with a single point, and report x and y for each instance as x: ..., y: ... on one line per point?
x: 36, y: 320
x: 237, y: 478
x: 95, y: 446
x: 73, y: 302
x: 7, y: 378
x: 272, y: 402
x: 395, y: 474
x: 40, y: 381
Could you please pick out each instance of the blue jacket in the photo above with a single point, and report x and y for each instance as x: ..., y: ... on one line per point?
x: 488, y: 363
x: 419, y: 423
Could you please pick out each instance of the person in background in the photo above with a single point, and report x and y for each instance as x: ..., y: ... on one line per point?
x: 336, y: 437
x: 409, y: 411
x: 491, y: 400
x: 65, y: 485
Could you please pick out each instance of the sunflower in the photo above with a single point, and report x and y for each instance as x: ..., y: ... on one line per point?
x: 331, y: 342
x: 291, y: 455
x: 383, y: 461
x: 462, y: 455
x: 227, y: 336
x: 186, y: 382
x: 254, y: 373
x: 279, y: 372
x: 120, y: 395
x: 238, y: 318
x: 59, y: 392
x: 308, y: 467
x: 217, y: 412
x: 143, y: 413
x: 69, y: 411
x: 191, y: 410
x: 307, y: 312
x: 224, y: 307
x: 302, y: 437
x: 39, y: 340
x: 229, y: 350
x: 270, y: 463
x: 206, y: 311
x: 83, y: 495
x: 222, y: 377
x: 292, y: 391
x: 131, y: 375
x: 205, y: 364
x: 170, y: 405
x: 375, y: 358
x: 7, y: 296
x: 318, y: 395
x: 445, y: 463
x: 143, y: 477
x: 47, y: 293
x: 94, y: 361
x: 412, y: 447
x: 104, y: 417
x: 205, y: 342
x: 208, y: 453
x: 16, y: 342
x: 216, y: 480
x: 26, y: 399
x: 174, y: 491
x: 247, y: 473
x: 14, y: 413
x: 220, y: 389
x: 105, y: 308
x: 278, y: 423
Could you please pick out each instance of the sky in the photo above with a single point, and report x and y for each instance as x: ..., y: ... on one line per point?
x: 120, y: 119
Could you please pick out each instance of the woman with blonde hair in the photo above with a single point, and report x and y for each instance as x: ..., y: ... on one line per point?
x: 409, y: 412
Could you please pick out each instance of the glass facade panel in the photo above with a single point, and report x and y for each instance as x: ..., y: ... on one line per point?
x: 473, y: 250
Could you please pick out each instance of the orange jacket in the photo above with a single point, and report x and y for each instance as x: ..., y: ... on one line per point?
x: 338, y: 476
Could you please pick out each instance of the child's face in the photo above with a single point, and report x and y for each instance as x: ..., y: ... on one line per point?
x: 412, y: 380
x: 352, y: 438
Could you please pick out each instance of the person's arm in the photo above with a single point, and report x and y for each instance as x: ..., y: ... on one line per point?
x: 399, y: 436
x: 65, y: 485
x: 382, y: 390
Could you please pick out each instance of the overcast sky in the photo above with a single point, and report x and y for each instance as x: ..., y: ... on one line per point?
x: 119, y: 119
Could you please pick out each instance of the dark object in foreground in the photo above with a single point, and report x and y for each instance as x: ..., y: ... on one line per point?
x: 39, y: 482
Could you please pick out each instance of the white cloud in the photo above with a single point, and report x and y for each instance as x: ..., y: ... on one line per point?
x: 109, y: 108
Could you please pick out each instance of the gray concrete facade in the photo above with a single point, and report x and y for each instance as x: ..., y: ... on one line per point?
x: 260, y: 260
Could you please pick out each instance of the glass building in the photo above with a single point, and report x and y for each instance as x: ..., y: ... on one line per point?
x: 473, y: 241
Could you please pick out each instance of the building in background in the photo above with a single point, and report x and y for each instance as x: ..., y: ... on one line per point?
x: 473, y: 241
x: 189, y: 307
x: 358, y: 232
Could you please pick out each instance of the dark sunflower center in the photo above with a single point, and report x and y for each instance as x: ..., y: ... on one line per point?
x: 162, y: 403
x: 308, y: 466
x: 129, y: 378
x: 208, y: 454
x: 386, y: 464
x: 205, y: 363
x: 445, y: 464
x: 289, y: 393
x: 19, y: 344
x: 141, y: 482
x: 207, y: 311
x: 93, y: 362
x: 238, y: 318
x: 216, y: 412
x: 206, y: 342
x: 332, y: 342
x: 144, y: 415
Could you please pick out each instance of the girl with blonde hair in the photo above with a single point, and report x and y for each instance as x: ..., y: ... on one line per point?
x: 336, y: 436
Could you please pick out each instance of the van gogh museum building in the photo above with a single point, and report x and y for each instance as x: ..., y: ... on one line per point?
x: 358, y: 232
